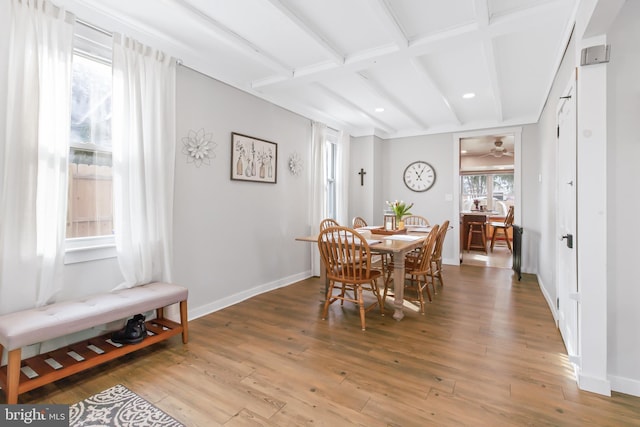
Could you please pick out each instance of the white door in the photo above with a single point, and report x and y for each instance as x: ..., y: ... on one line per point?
x: 567, y: 273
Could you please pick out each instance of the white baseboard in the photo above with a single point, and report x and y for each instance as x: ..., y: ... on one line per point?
x: 550, y: 302
x: 241, y: 296
x: 625, y: 385
x: 450, y: 261
x: 594, y: 385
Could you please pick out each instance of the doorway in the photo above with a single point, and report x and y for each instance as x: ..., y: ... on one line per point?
x: 568, y: 303
x: 487, y: 175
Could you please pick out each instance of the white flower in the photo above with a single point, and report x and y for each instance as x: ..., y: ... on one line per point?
x: 198, y: 147
x: 295, y: 163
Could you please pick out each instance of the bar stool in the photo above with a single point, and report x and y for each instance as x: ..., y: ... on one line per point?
x: 477, y: 228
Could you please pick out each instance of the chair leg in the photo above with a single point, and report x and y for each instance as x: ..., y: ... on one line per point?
x: 504, y: 233
x: 374, y: 285
x: 420, y: 296
x: 432, y: 273
x: 426, y: 285
x: 493, y: 237
x: 325, y: 311
x: 361, y: 305
x: 440, y: 273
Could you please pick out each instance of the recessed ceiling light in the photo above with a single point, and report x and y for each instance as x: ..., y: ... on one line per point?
x: 463, y: 151
x: 379, y: 110
x: 469, y: 95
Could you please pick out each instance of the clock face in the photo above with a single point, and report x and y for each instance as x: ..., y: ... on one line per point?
x: 419, y: 176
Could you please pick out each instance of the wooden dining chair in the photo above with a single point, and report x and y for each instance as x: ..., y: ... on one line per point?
x: 378, y: 261
x: 436, y: 258
x: 342, y: 250
x: 359, y: 222
x: 417, y: 270
x: 503, y: 227
x: 328, y: 222
x: 415, y: 220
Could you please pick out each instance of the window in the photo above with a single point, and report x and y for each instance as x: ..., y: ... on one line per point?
x: 494, y: 191
x: 90, y: 205
x: 90, y: 189
x: 331, y: 155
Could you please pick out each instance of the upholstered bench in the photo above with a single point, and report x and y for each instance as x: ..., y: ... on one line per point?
x: 32, y: 326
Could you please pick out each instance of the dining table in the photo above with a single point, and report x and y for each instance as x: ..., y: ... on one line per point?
x: 397, y: 245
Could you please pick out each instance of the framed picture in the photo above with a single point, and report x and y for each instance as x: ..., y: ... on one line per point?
x: 253, y: 159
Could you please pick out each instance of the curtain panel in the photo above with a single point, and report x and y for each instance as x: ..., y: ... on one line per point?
x: 33, y: 180
x: 144, y: 135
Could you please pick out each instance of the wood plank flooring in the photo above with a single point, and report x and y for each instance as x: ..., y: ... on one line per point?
x: 486, y: 353
x: 500, y: 257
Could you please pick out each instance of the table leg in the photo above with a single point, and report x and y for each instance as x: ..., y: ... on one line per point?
x: 323, y: 277
x: 398, y: 286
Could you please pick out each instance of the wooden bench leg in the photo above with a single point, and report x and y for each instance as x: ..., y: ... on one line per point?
x: 184, y: 321
x: 13, y: 375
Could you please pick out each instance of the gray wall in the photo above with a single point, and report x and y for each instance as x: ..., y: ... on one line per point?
x: 539, y: 194
x: 436, y: 150
x: 234, y: 239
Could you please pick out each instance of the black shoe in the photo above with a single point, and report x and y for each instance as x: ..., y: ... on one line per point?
x: 133, y: 333
x: 140, y: 318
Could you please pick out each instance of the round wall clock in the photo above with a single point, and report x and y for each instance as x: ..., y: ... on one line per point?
x: 419, y: 176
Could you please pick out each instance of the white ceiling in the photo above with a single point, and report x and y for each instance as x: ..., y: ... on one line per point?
x: 487, y: 153
x: 336, y: 61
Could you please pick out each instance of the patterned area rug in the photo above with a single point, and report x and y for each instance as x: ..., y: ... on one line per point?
x: 118, y: 407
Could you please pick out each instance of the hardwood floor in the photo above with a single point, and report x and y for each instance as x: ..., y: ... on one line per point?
x: 487, y: 353
x: 500, y: 257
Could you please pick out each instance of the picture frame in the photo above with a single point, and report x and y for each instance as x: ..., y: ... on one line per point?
x: 253, y: 159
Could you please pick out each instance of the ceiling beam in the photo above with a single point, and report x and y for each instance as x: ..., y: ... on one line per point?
x: 383, y: 9
x: 391, y: 99
x: 234, y: 39
x: 342, y: 100
x: 331, y: 51
x: 448, y: 39
x: 424, y: 74
x: 308, y: 110
x: 482, y: 18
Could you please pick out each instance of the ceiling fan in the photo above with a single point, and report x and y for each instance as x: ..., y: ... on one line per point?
x: 498, y: 150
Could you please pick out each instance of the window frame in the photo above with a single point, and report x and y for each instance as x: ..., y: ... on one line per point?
x: 96, y: 45
x: 331, y: 173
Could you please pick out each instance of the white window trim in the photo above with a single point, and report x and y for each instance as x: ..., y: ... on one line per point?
x: 83, y: 249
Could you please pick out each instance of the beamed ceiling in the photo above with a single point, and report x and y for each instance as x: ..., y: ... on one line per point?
x: 341, y: 61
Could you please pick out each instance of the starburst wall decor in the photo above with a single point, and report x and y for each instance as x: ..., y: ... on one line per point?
x: 199, y: 147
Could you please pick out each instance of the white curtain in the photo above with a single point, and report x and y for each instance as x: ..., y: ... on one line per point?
x: 144, y: 136
x: 35, y: 147
x: 318, y: 186
x: 342, y: 178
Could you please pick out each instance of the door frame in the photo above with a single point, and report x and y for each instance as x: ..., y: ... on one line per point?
x: 517, y: 177
x: 567, y: 318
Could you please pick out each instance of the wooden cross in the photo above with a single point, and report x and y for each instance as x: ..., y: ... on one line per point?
x: 362, y: 173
